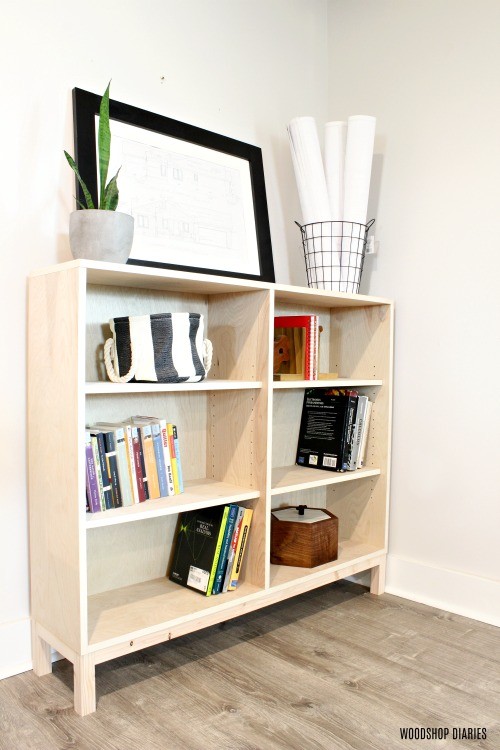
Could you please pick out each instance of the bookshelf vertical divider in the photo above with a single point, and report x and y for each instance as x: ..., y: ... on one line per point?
x: 98, y: 581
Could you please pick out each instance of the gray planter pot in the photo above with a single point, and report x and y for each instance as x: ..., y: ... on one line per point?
x: 101, y: 235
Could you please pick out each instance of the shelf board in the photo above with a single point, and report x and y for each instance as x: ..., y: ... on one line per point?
x: 144, y: 277
x: 337, y: 383
x: 324, y: 298
x: 349, y: 552
x: 108, y: 388
x: 198, y: 493
x: 132, y: 611
x: 295, y: 478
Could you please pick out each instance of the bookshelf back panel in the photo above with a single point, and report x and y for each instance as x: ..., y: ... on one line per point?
x: 187, y: 410
x: 360, y: 341
x: 235, y: 323
x: 106, y: 302
x: 282, y: 308
x: 356, y: 505
x: 287, y: 412
x: 361, y: 506
x: 129, y: 553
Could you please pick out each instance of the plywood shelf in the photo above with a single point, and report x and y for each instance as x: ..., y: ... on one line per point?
x: 198, y: 493
x: 133, y: 611
x: 349, y: 552
x: 337, y: 383
x: 295, y: 478
x: 112, y: 389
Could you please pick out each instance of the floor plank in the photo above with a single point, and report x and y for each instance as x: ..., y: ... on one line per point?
x: 333, y: 669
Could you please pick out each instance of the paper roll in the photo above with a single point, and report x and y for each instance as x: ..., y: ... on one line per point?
x: 309, y: 171
x: 357, y: 174
x: 335, y: 142
x: 358, y: 166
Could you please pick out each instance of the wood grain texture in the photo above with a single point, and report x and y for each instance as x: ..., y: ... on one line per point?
x: 304, y: 545
x: 55, y: 441
x: 333, y: 669
x: 227, y: 436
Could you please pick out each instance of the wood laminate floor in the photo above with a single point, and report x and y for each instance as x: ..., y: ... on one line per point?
x: 334, y: 668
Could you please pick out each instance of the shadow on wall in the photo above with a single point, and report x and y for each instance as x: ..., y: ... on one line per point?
x: 370, y: 263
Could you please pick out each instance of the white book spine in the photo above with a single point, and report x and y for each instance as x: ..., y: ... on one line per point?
x: 364, y: 437
x: 358, y: 431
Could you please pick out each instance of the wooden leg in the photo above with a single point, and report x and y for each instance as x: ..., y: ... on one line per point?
x: 84, y: 684
x: 377, y: 585
x: 41, y: 654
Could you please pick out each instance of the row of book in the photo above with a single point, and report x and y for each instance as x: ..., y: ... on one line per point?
x: 296, y: 347
x: 209, y: 548
x: 130, y: 462
x: 334, y: 428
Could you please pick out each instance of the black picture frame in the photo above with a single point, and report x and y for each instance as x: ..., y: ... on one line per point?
x: 86, y: 107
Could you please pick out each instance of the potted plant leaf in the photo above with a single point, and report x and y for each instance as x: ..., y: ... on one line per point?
x: 102, y: 232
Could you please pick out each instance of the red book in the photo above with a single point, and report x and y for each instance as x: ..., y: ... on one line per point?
x: 310, y: 323
x: 138, y: 465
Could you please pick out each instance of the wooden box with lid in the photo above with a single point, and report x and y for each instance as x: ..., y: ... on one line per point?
x: 303, y: 537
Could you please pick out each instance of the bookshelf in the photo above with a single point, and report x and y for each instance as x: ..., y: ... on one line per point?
x: 98, y: 582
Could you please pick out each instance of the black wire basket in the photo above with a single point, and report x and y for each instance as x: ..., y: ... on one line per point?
x: 334, y: 252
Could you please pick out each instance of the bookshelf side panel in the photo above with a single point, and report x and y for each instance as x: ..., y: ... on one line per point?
x: 56, y: 469
x: 239, y: 440
x: 237, y: 329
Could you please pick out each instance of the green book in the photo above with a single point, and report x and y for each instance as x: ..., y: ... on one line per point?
x: 197, y: 547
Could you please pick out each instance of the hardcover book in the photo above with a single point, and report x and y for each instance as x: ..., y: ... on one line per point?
x: 323, y: 428
x: 93, y: 496
x: 295, y: 347
x: 220, y: 572
x: 197, y: 548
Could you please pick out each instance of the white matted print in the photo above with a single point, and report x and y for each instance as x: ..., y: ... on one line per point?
x: 192, y: 205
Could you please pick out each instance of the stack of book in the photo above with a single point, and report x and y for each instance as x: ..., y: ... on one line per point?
x: 130, y: 462
x: 333, y: 429
x: 209, y: 548
x: 296, y: 347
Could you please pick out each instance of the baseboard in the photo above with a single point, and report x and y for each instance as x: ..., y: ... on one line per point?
x: 15, y: 647
x: 451, y: 590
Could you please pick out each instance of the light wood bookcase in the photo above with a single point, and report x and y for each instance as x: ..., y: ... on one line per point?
x: 98, y: 582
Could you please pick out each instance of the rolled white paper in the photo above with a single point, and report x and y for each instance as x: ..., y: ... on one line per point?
x: 358, y: 166
x: 335, y: 142
x: 357, y: 174
x: 309, y: 171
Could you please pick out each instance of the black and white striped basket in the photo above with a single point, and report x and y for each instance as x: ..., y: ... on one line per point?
x: 161, y: 348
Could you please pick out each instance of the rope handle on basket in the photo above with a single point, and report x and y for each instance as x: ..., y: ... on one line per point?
x: 110, y: 360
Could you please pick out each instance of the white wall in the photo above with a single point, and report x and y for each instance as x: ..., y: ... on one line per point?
x: 429, y: 71
x: 233, y: 67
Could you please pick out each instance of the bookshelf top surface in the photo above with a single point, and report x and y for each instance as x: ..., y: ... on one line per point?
x: 116, y: 274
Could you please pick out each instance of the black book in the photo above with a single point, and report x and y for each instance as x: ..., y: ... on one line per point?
x: 197, y: 547
x: 323, y: 428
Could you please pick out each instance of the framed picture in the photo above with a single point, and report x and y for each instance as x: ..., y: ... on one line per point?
x: 198, y: 198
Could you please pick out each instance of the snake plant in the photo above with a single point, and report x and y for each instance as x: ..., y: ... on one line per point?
x: 108, y: 192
